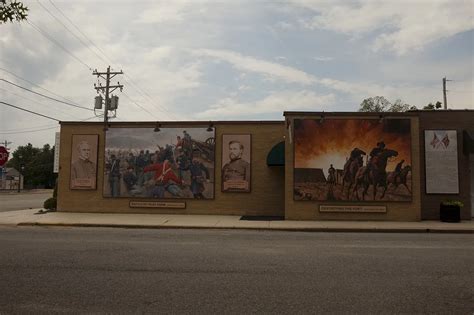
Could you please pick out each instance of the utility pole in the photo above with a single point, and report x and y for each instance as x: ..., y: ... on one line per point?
x: 6, y: 143
x: 109, y: 105
x: 444, y: 93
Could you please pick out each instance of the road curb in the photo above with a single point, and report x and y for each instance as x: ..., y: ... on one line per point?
x: 300, y: 229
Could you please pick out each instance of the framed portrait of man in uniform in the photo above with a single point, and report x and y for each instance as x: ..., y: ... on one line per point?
x: 236, y: 162
x: 84, y: 162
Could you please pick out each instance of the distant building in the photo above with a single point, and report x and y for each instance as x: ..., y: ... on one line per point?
x: 10, y: 179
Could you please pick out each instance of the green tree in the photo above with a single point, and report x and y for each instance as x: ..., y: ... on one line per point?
x: 11, y: 10
x: 432, y: 106
x: 381, y: 104
x: 35, y: 164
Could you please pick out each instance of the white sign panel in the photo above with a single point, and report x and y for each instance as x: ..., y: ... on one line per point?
x: 56, y: 153
x: 441, y: 161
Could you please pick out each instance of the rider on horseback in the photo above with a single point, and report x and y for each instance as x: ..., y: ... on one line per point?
x: 397, y: 171
x: 373, y: 156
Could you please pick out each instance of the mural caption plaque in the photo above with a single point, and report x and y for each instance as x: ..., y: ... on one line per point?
x: 157, y: 204
x: 353, y: 209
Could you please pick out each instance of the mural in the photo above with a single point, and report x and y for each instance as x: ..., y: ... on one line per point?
x: 352, y: 159
x: 84, y: 162
x: 236, y: 153
x: 159, y: 163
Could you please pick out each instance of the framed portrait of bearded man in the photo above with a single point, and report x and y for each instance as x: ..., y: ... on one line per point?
x: 84, y: 162
x: 236, y: 162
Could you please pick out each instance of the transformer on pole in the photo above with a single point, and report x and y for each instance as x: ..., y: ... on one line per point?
x: 110, y: 103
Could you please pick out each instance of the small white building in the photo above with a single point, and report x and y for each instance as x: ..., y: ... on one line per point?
x: 10, y: 179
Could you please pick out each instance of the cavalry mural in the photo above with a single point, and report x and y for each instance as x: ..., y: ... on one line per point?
x: 352, y: 159
x: 159, y: 163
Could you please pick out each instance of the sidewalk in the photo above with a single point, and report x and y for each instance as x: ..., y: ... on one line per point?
x: 163, y: 221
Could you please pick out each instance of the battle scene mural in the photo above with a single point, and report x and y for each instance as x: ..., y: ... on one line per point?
x: 352, y: 159
x: 159, y: 163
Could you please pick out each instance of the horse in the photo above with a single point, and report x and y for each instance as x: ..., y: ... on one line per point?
x: 374, y: 173
x: 392, y: 178
x: 350, y: 168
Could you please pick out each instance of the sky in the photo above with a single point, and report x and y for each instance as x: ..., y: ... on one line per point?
x: 230, y: 60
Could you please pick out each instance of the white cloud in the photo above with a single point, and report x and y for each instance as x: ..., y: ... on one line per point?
x: 323, y: 59
x: 171, y: 11
x: 250, y: 64
x: 276, y: 102
x: 275, y: 71
x: 402, y: 26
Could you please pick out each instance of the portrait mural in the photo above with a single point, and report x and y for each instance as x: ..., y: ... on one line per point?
x: 159, y: 163
x: 84, y: 162
x: 352, y: 159
x: 236, y: 159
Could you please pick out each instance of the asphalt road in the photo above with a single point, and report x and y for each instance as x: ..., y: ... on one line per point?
x: 48, y: 270
x: 23, y: 200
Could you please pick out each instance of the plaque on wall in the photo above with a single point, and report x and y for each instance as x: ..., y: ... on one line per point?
x: 157, y: 204
x: 441, y: 162
x: 353, y: 209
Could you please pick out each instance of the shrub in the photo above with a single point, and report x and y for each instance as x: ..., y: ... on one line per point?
x: 50, y: 204
x: 453, y: 203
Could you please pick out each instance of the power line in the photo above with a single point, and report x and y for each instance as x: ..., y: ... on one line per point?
x: 28, y: 131
x: 33, y: 101
x: 45, y: 34
x: 48, y: 97
x: 139, y: 105
x: 163, y: 109
x: 137, y: 88
x: 69, y: 30
x: 79, y: 30
x: 38, y: 129
x: 29, y: 128
x: 29, y: 111
x: 32, y: 83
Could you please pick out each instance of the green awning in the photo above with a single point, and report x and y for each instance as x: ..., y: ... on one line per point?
x: 468, y: 142
x: 276, y: 156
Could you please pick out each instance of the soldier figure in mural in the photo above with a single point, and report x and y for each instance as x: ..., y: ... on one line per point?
x: 114, y: 176
x: 373, y: 155
x: 139, y: 166
x: 352, y: 165
x: 130, y: 179
x: 182, y: 163
x: 399, y: 176
x: 374, y: 173
x: 237, y: 169
x: 164, y: 179
x: 199, y: 176
x: 331, y: 175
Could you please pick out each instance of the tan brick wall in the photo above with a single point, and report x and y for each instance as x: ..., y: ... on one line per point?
x: 267, y: 186
x: 396, y: 211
